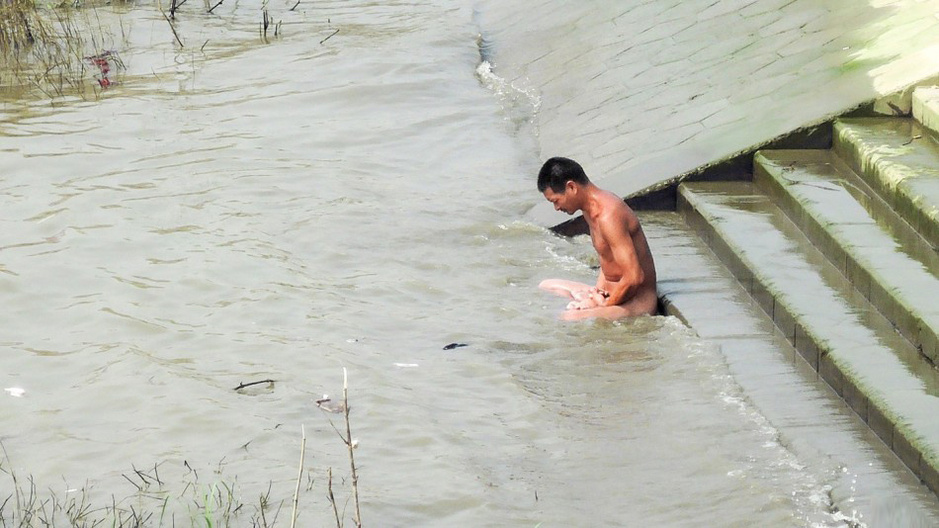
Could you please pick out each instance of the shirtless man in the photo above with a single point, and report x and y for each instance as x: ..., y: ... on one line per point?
x: 626, y: 285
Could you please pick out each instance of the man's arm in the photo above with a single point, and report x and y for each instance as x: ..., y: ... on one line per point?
x: 616, y: 232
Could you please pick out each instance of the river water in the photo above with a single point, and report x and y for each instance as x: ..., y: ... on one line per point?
x: 239, y: 210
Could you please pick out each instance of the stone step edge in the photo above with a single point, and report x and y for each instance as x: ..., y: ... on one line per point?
x: 890, y: 301
x: 889, y: 424
x: 925, y: 105
x: 877, y: 173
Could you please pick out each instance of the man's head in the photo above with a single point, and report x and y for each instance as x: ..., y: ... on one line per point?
x: 561, y: 180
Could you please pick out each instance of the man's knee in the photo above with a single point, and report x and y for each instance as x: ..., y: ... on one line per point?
x: 547, y: 284
x: 563, y: 287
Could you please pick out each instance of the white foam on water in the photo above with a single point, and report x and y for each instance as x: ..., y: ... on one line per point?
x: 809, y: 494
x: 520, y: 104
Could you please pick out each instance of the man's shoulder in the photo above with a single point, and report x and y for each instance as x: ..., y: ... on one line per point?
x: 615, y: 208
x: 616, y: 218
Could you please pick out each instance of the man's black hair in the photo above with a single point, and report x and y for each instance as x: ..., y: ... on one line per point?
x: 556, y: 172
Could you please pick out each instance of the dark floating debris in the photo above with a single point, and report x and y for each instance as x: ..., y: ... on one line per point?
x: 451, y: 346
x: 329, y: 405
x: 331, y: 35
x: 243, y: 385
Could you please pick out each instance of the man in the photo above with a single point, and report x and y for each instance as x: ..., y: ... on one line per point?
x: 626, y: 285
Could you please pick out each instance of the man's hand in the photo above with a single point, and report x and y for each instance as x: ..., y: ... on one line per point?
x: 591, y: 298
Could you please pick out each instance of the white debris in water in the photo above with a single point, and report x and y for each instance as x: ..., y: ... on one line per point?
x: 406, y: 365
x: 16, y: 392
x: 328, y: 405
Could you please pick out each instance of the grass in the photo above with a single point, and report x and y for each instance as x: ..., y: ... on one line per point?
x: 157, y: 501
x: 215, y: 504
x: 53, y: 49
x: 48, y: 48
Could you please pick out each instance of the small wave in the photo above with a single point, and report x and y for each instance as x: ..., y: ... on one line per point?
x: 485, y: 47
x: 569, y: 263
x: 506, y: 89
x: 810, y: 496
x: 520, y: 105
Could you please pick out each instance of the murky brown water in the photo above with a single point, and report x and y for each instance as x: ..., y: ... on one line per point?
x: 281, y: 210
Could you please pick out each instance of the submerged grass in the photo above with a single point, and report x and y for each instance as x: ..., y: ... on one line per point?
x: 17, y: 24
x: 57, y: 48
x: 157, y: 502
x: 154, y: 503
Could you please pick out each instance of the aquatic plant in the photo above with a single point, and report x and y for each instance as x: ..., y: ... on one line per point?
x: 156, y: 502
x: 214, y: 505
x: 18, y: 25
x: 351, y: 444
x: 51, y: 49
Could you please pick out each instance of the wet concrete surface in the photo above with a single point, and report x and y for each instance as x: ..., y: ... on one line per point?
x: 855, y: 349
x: 812, y: 421
x: 871, y: 245
x: 925, y: 101
x: 900, y: 160
x: 643, y: 93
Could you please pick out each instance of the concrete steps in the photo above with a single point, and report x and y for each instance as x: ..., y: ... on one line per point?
x: 839, y: 248
x: 868, y: 242
x: 925, y: 106
x: 853, y: 347
x: 899, y: 159
x: 810, y: 419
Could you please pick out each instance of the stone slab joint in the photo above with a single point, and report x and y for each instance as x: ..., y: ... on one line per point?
x: 925, y: 106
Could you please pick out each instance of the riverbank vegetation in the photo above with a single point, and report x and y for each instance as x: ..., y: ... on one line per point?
x: 52, y: 49
x: 164, y: 496
x: 70, y: 48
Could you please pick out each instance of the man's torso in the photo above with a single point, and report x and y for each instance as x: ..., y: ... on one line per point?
x: 618, y: 214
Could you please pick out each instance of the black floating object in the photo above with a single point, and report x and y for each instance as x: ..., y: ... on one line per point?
x: 451, y: 346
x: 243, y: 384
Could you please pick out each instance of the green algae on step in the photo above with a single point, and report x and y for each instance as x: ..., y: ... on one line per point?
x: 899, y: 158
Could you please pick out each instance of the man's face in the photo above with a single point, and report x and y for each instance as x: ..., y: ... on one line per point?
x: 561, y: 201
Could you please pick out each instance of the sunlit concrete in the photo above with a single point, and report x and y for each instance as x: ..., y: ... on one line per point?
x: 926, y: 106
x: 901, y: 161
x: 642, y: 92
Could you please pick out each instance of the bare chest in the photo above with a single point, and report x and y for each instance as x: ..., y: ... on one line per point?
x: 601, y: 245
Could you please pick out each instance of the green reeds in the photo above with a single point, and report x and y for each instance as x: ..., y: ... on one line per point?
x: 156, y: 500
x: 46, y: 48
x: 19, y: 25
